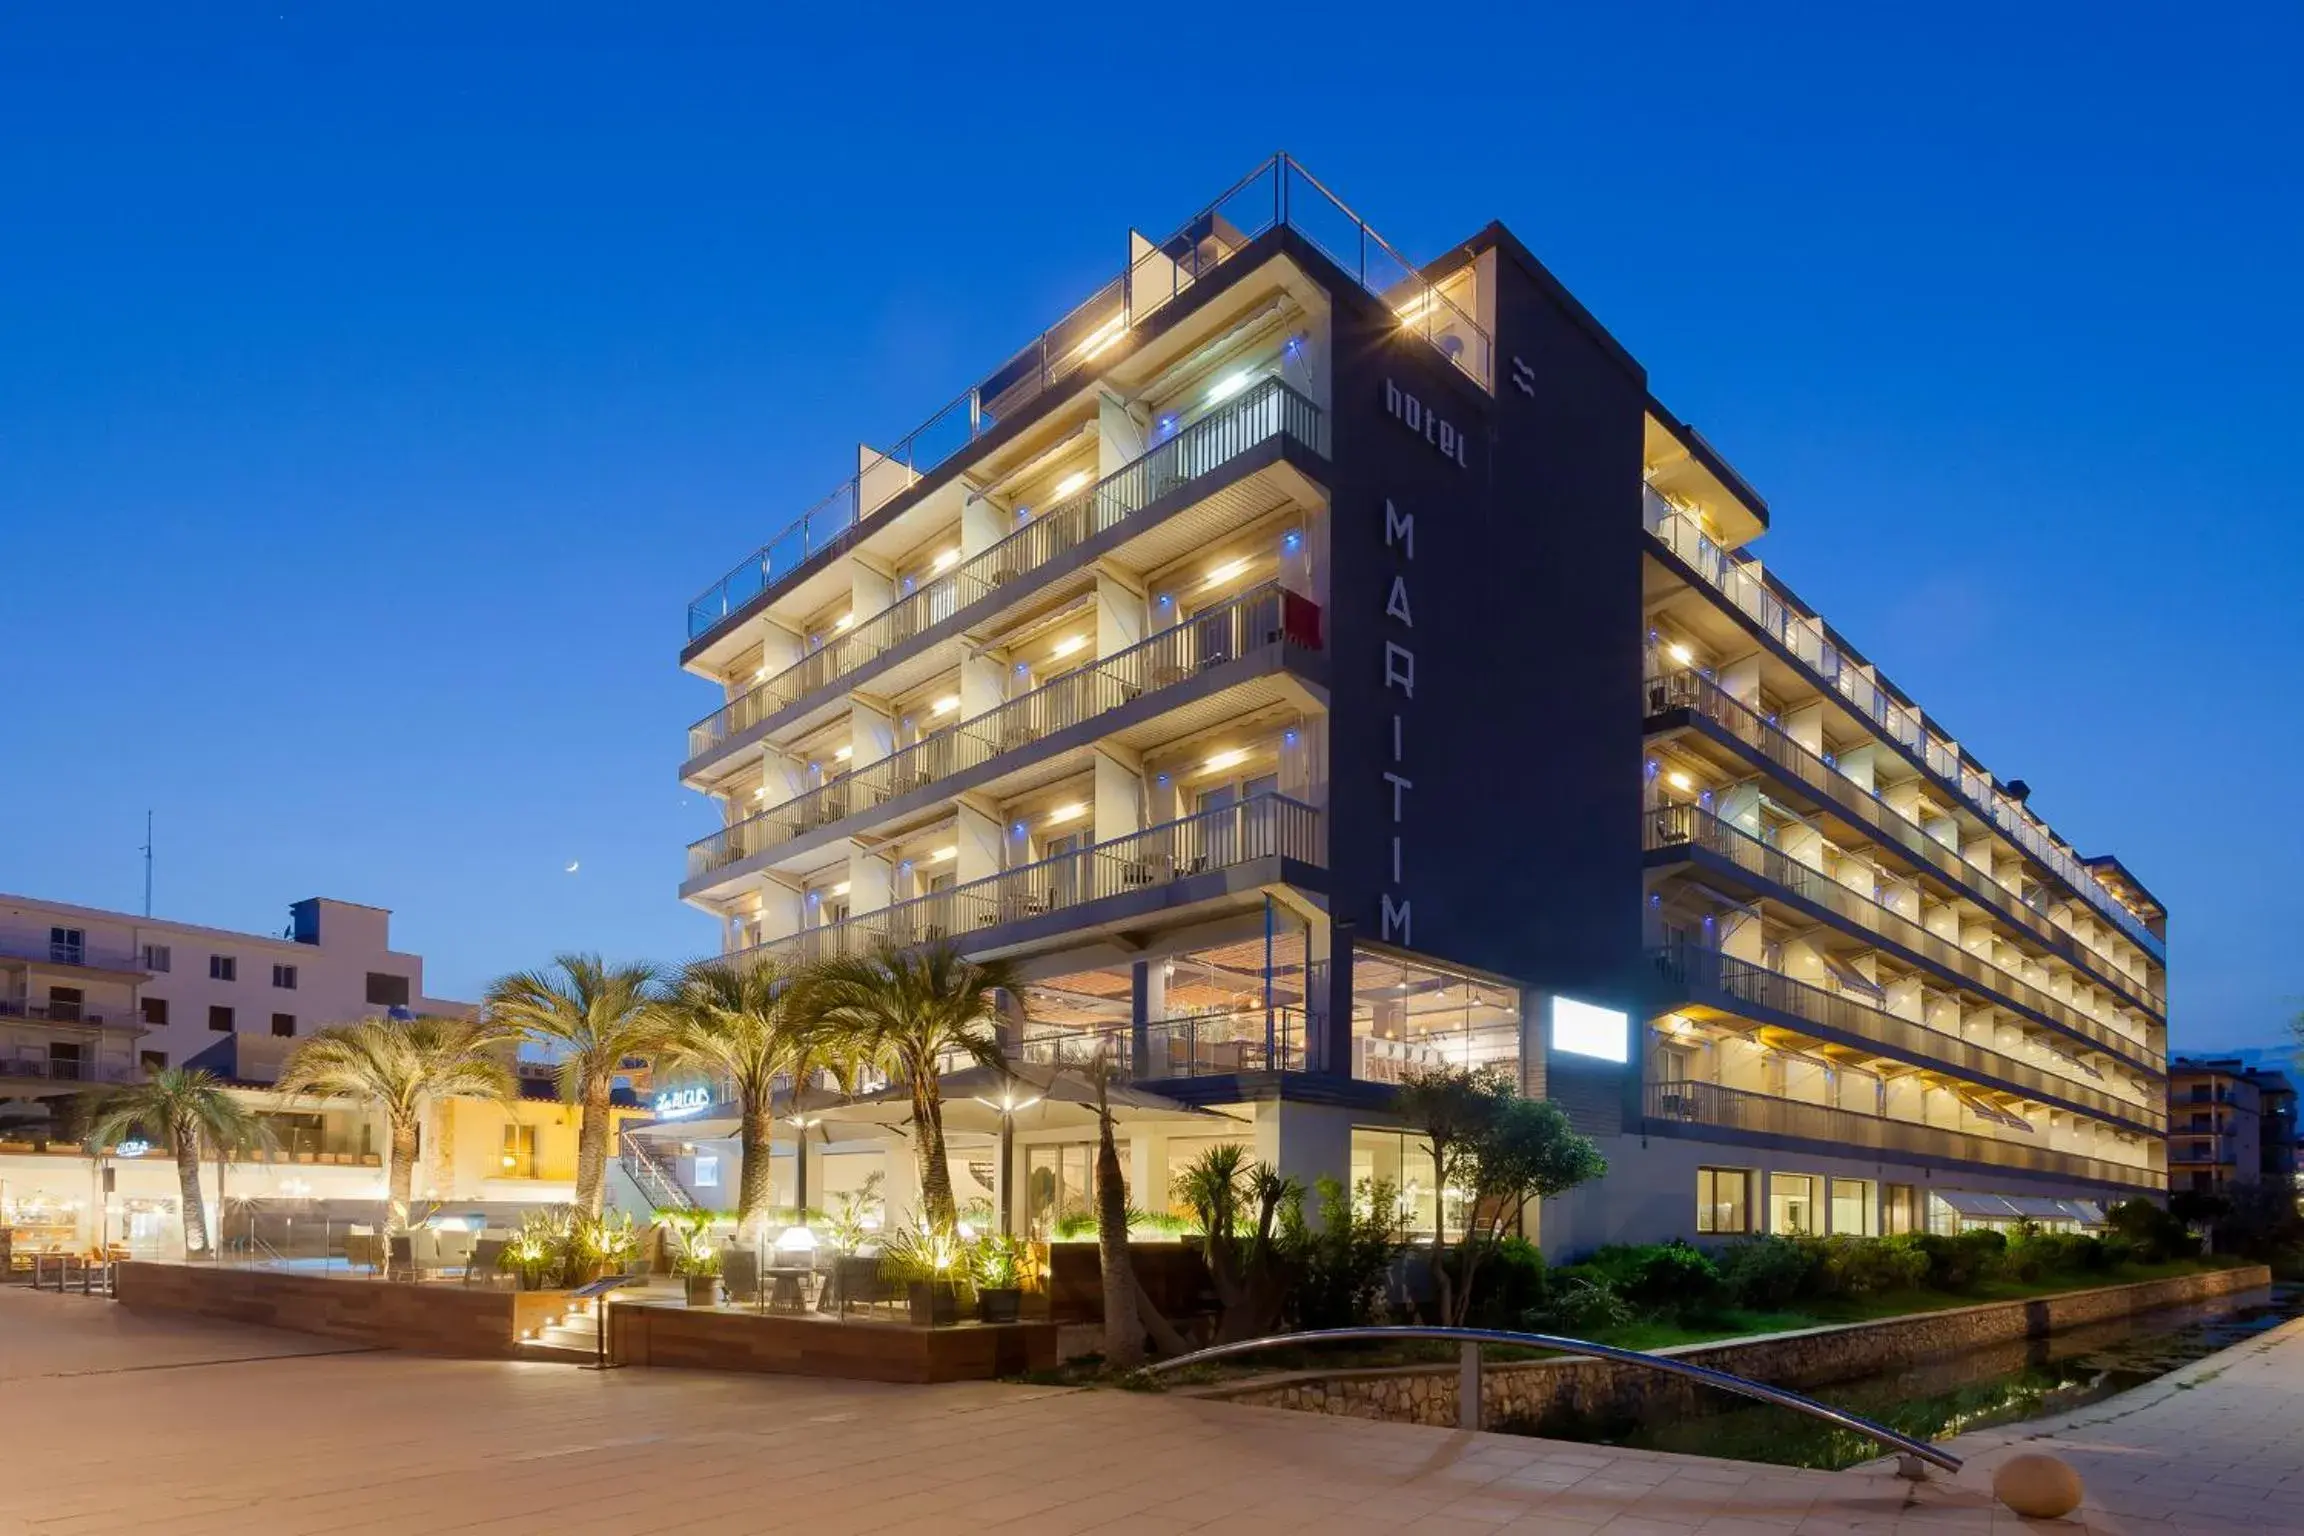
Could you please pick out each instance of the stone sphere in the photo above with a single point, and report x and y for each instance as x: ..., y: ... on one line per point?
x: 2037, y: 1485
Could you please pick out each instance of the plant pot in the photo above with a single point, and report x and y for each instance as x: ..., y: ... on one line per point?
x: 1000, y: 1304
x: 934, y: 1303
x: 703, y: 1290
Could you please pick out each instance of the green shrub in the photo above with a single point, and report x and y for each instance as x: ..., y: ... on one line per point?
x: 2156, y: 1235
x: 1765, y: 1274
x: 1510, y: 1283
x: 1580, y: 1307
x: 1667, y: 1279
x: 1343, y: 1265
x: 1842, y: 1265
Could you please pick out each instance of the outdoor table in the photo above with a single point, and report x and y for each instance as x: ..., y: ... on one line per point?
x: 786, y: 1293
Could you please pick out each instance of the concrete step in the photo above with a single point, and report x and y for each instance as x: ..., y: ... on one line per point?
x: 558, y: 1354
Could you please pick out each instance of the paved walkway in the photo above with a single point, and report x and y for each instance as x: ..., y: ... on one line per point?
x: 120, y: 1423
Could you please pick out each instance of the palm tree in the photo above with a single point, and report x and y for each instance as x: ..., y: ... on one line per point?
x: 595, y: 1016
x: 399, y: 1064
x: 907, y: 1013
x: 194, y: 1110
x: 740, y: 1023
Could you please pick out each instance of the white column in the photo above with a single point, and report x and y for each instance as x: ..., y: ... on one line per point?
x: 979, y: 842
x: 1120, y: 610
x: 1119, y: 435
x: 1119, y: 793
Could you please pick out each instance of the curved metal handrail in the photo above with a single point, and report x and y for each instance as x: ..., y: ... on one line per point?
x: 1473, y: 1338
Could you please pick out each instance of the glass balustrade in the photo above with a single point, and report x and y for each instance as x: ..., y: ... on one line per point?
x: 1248, y: 625
x: 1269, y: 410
x: 1737, y: 579
x: 1279, y: 192
x: 1700, y: 695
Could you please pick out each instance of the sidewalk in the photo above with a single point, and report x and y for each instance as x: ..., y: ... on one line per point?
x: 269, y: 1436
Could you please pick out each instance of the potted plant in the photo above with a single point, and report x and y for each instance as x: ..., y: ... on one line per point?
x: 538, y: 1253
x: 933, y: 1268
x: 999, y: 1265
x: 694, y: 1259
x: 602, y: 1245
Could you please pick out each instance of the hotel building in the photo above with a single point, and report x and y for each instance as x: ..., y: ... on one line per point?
x: 1311, y: 666
x: 2230, y: 1122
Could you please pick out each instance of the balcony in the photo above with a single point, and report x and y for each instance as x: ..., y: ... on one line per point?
x: 39, y: 949
x: 1684, y: 828
x: 1702, y: 697
x: 1205, y: 1045
x: 1683, y: 1108
x: 49, y: 1069
x: 1260, y: 827
x: 1737, y: 580
x: 1259, y: 415
x: 1264, y: 622
x: 1277, y: 193
x: 1711, y: 979
x: 83, y: 1015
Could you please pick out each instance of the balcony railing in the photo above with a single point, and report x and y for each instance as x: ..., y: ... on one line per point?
x: 1264, y: 617
x: 1708, y: 974
x: 1205, y: 1045
x: 80, y: 1014
x: 50, y: 1069
x: 1277, y: 192
x: 1737, y: 579
x: 1681, y: 826
x: 38, y: 947
x: 1707, y: 1104
x: 1271, y: 409
x: 1699, y: 694
x: 1259, y: 827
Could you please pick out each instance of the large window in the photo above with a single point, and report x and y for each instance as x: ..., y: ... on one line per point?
x: 1899, y: 1209
x: 1792, y: 1205
x: 1723, y: 1201
x: 220, y: 1018
x: 1060, y: 1186
x: 1852, y: 1208
x: 387, y: 991
x: 1408, y: 1017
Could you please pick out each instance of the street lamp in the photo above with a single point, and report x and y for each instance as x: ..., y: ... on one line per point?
x: 1008, y: 1106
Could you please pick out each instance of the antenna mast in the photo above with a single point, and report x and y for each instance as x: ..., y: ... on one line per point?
x: 147, y: 863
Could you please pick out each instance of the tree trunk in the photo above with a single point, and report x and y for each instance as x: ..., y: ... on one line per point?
x: 188, y: 1180
x: 399, y: 1179
x: 937, y: 1207
x: 1123, y: 1324
x: 592, y: 1146
x: 755, y: 1184
x: 1443, y: 1293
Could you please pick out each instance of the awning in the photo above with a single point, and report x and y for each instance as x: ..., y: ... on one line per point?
x: 1046, y: 1098
x: 2086, y: 1212
x: 2041, y: 1209
x: 1982, y: 1207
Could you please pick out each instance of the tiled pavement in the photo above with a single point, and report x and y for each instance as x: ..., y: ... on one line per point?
x: 112, y: 1423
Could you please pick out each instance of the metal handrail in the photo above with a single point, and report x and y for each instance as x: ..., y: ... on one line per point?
x: 1468, y: 1380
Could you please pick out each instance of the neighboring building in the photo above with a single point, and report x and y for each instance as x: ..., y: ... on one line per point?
x: 2229, y: 1122
x: 88, y: 995
x: 1312, y: 668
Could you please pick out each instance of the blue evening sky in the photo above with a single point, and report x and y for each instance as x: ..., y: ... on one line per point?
x: 377, y: 384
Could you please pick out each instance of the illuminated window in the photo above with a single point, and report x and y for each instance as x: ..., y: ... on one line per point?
x: 518, y: 1160
x: 1852, y: 1208
x: 707, y: 1170
x: 1792, y: 1205
x: 1723, y: 1201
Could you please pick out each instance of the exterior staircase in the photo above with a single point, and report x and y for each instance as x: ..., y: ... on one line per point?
x: 573, y: 1338
x: 658, y: 1183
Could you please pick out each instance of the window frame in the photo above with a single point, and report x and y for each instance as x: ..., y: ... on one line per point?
x: 224, y: 968
x: 157, y: 957
x: 290, y: 1020
x: 284, y: 977
x: 223, y: 1019
x: 1708, y: 1202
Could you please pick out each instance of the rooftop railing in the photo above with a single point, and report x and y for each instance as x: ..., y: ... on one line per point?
x: 1708, y: 1104
x: 1674, y: 826
x: 1261, y: 618
x: 1269, y: 410
x: 1705, y: 971
x: 1259, y: 827
x: 1736, y: 578
x: 1688, y: 690
x: 1277, y: 192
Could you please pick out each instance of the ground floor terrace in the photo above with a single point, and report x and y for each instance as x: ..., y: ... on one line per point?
x: 377, y: 1441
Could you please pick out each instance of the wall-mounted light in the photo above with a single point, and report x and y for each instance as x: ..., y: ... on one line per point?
x: 1224, y: 760
x: 843, y: 621
x: 1070, y: 811
x: 1292, y: 540
x: 1680, y: 653
x: 943, y: 853
x: 761, y: 793
x: 947, y: 560
x: 759, y: 674
x: 1071, y: 482
x: 1104, y: 335
x: 843, y: 754
x: 841, y: 889
x: 1679, y: 780
x: 1068, y: 645
x: 1225, y: 572
x: 945, y: 705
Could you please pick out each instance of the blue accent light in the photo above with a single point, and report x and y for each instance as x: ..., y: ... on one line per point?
x: 904, y: 868
x: 1160, y: 778
x: 1167, y: 426
x: 1018, y: 829
x: 1167, y: 599
x: 1021, y: 669
x: 1288, y: 737
x: 1023, y: 513
x: 907, y: 586
x: 1651, y: 770
x: 1292, y: 540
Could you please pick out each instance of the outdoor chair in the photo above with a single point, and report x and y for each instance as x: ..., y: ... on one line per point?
x: 484, y: 1259
x: 740, y: 1274
x: 403, y: 1254
x: 360, y: 1250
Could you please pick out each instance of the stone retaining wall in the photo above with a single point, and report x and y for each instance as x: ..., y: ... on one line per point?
x: 1535, y: 1392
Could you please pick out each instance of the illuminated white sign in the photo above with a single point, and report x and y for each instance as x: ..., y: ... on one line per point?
x: 1581, y: 1029
x: 135, y: 1146
x: 680, y: 1103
